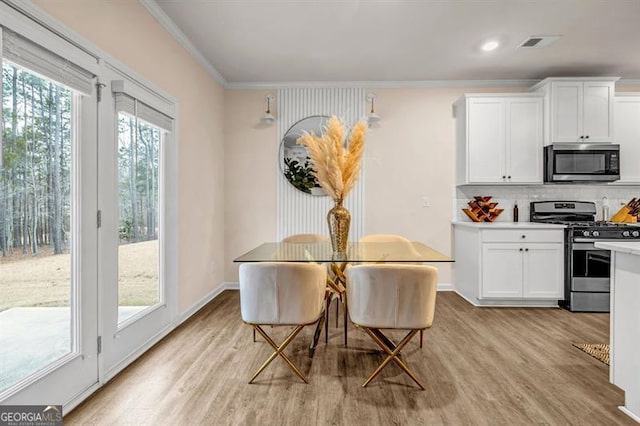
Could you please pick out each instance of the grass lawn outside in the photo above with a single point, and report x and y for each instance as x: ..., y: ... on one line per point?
x: 43, y: 280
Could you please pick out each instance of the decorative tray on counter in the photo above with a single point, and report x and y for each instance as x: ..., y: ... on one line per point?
x: 482, y: 209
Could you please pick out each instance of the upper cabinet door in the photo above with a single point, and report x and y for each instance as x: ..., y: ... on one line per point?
x: 566, y: 111
x: 582, y: 110
x: 627, y: 128
x: 486, y: 144
x: 524, y: 139
x: 598, y: 111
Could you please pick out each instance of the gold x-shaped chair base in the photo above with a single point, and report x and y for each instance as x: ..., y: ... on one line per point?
x: 393, y: 351
x: 278, y: 351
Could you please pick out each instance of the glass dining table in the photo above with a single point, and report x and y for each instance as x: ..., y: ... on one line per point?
x: 357, y: 252
x: 321, y: 252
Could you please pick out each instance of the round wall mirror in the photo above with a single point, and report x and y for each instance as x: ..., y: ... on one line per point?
x: 294, y: 159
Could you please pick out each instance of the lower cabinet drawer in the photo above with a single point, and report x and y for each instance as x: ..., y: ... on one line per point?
x: 522, y: 236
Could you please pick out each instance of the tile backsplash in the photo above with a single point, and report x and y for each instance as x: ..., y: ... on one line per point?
x: 507, y: 196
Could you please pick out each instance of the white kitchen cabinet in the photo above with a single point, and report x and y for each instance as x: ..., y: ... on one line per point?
x: 499, y: 139
x: 502, y: 270
x: 578, y: 110
x: 528, y: 270
x: 627, y: 129
x: 520, y: 265
x: 524, y: 140
x: 543, y: 271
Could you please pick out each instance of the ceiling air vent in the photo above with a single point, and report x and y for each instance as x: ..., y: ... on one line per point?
x: 537, y: 42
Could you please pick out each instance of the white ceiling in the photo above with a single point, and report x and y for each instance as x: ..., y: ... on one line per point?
x: 277, y: 41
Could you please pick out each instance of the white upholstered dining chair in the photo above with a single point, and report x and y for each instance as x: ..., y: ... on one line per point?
x: 392, y: 296
x: 281, y: 294
x: 302, y: 238
x: 389, y: 238
x: 315, y: 238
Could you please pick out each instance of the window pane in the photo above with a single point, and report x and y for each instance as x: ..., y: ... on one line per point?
x: 35, y: 224
x: 138, y: 253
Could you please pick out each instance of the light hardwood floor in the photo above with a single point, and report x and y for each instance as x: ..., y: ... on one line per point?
x: 481, y: 366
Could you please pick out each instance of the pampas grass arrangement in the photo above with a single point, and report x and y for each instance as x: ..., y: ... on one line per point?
x: 334, y: 166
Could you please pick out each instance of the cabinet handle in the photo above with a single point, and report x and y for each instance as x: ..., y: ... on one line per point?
x: 504, y: 177
x: 581, y: 137
x: 520, y: 249
x: 524, y: 236
x: 526, y: 249
x: 509, y: 177
x: 586, y: 137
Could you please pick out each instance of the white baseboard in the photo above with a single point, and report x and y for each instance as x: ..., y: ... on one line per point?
x: 231, y: 285
x: 446, y: 287
x: 629, y: 413
x: 464, y: 297
x: 206, y: 299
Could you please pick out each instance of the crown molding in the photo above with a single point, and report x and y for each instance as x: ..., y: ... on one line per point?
x: 168, y: 24
x: 398, y: 84
x: 380, y: 84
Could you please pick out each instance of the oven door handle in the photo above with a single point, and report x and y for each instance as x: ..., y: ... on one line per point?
x: 583, y: 244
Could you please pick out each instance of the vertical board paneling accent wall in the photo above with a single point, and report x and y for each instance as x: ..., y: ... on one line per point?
x: 300, y: 213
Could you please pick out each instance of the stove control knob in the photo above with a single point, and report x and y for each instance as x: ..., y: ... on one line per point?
x: 626, y: 233
x: 635, y: 234
x: 595, y: 233
x: 585, y: 233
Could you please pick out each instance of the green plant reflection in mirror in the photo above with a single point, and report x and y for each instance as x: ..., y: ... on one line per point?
x: 294, y: 159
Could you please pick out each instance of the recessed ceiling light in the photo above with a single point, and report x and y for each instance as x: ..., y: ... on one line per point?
x: 490, y: 45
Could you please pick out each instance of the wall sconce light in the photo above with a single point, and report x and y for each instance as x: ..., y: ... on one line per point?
x: 267, y: 117
x: 372, y: 117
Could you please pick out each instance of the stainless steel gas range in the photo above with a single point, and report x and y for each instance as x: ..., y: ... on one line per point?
x: 587, y: 269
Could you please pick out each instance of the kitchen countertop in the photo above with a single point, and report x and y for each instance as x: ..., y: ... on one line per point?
x: 630, y: 247
x: 508, y: 225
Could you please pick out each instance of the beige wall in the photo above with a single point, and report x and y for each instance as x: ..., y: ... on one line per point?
x: 125, y: 30
x: 251, y: 167
x: 409, y: 154
x: 625, y: 89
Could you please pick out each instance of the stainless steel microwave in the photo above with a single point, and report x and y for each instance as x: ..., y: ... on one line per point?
x: 581, y: 163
